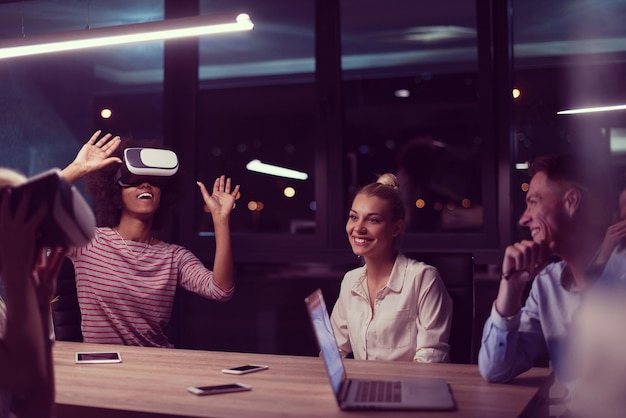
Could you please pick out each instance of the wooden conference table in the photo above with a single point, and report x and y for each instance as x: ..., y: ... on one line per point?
x: 152, y: 382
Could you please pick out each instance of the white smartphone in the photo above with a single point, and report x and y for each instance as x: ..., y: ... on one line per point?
x: 245, y: 369
x: 215, y: 389
x: 98, y: 357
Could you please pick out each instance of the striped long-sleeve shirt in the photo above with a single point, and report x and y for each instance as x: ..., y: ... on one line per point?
x: 126, y: 289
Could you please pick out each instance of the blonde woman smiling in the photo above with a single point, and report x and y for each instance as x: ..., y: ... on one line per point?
x: 393, y: 307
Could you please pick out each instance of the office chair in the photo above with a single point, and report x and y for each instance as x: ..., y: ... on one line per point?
x: 65, y: 311
x: 457, y: 273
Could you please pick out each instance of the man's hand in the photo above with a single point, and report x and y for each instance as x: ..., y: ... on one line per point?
x: 522, y: 262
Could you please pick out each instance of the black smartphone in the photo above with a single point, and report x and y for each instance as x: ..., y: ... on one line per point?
x: 245, y: 369
x: 215, y: 389
x: 98, y: 357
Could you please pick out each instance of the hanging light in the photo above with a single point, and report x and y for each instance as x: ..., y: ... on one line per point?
x: 275, y: 170
x: 123, y: 34
x: 591, y: 110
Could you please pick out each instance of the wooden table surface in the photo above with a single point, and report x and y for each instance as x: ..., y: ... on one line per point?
x: 152, y: 382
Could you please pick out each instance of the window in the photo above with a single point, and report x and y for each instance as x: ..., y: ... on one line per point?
x: 575, y: 62
x: 51, y: 103
x: 256, y: 106
x: 412, y: 108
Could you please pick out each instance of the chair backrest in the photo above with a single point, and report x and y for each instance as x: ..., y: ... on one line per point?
x: 65, y: 310
x: 457, y: 272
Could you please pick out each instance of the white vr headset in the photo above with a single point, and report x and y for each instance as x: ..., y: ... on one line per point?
x: 153, y: 165
x: 69, y: 221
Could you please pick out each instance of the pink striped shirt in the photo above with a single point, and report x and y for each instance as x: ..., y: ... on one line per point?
x: 126, y: 288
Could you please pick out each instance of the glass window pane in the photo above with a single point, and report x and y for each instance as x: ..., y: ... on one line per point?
x: 279, y: 49
x: 43, y: 17
x: 51, y: 103
x: 412, y: 107
x: 257, y: 102
x: 575, y: 61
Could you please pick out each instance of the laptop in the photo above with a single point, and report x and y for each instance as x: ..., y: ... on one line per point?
x: 387, y: 394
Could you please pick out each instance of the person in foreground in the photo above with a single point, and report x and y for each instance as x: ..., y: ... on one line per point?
x: 598, y: 355
x: 28, y: 280
x: 126, y: 278
x: 598, y: 352
x: 564, y: 213
x: 393, y: 307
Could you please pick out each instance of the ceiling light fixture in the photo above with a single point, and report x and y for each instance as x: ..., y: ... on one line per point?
x: 522, y: 166
x: 123, y: 34
x: 274, y: 170
x: 591, y: 110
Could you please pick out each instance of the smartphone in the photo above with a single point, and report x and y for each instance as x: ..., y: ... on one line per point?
x: 215, y: 389
x: 98, y: 357
x: 245, y: 369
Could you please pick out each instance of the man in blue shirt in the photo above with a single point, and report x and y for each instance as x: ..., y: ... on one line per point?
x: 564, y: 206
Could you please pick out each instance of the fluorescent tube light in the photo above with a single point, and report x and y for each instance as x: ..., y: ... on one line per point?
x: 123, y: 34
x: 274, y: 170
x: 618, y: 141
x: 591, y: 110
x: 521, y: 166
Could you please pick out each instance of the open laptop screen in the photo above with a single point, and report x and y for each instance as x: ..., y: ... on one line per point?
x: 326, y: 339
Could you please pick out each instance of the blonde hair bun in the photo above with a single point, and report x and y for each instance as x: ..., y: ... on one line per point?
x: 389, y: 179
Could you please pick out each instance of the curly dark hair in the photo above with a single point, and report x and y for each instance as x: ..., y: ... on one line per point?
x: 107, y: 193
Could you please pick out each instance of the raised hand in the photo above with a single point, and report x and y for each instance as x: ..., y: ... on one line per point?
x: 94, y: 155
x: 221, y: 203
x: 615, y: 234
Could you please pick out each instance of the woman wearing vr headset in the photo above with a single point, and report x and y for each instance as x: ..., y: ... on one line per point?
x: 125, y: 277
x: 28, y: 274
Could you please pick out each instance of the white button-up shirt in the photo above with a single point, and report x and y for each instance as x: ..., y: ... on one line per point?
x: 410, y: 320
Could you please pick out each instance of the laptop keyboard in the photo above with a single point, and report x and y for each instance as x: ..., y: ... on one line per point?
x: 379, y: 391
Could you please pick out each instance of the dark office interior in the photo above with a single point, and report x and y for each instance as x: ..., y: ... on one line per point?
x: 456, y: 95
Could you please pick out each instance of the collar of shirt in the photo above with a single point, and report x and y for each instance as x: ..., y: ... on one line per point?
x: 394, y: 284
